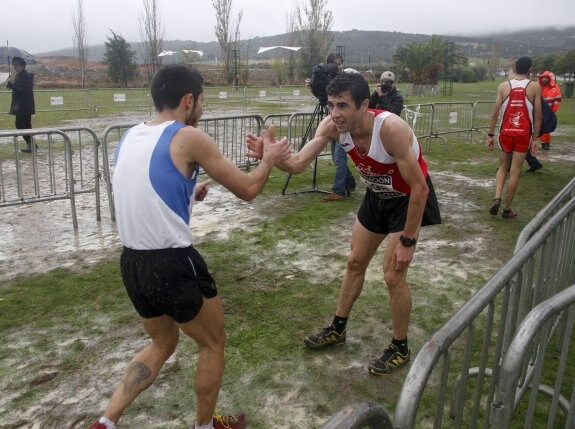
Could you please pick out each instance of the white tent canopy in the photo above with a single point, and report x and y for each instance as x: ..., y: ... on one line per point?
x: 269, y: 48
x: 186, y: 51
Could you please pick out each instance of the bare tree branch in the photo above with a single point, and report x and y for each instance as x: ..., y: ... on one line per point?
x: 227, y: 33
x: 314, y: 21
x: 152, y: 37
x: 79, y: 27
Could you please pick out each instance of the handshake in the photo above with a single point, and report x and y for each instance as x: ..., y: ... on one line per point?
x: 266, y: 147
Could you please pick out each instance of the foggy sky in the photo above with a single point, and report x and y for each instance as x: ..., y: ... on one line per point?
x: 41, y: 26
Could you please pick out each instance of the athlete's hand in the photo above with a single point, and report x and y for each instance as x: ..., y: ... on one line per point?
x: 490, y: 141
x: 534, y: 148
x: 402, y: 256
x: 202, y: 190
x: 276, y: 151
x: 255, y: 145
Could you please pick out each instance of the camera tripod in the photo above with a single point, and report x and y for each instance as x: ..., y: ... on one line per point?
x: 318, y: 114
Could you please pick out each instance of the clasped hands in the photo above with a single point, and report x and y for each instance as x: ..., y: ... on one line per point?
x: 266, y: 145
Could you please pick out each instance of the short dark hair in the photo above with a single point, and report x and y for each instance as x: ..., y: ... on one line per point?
x: 19, y: 61
x: 172, y: 82
x: 522, y: 65
x: 354, y: 83
x: 333, y: 56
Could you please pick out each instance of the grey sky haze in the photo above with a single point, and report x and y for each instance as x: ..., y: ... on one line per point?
x: 40, y: 26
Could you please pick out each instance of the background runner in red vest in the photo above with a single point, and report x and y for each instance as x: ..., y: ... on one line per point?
x: 518, y: 132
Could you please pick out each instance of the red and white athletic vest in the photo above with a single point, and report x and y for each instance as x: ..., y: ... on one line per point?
x: 378, y: 169
x: 517, y: 111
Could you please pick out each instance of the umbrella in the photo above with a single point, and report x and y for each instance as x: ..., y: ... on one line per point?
x: 9, y: 52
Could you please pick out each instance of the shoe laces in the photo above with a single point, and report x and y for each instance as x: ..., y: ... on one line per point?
x: 328, y: 330
x: 225, y: 420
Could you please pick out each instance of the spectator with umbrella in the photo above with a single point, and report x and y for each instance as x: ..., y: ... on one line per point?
x: 23, y: 107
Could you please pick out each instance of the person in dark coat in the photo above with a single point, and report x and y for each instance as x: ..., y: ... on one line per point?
x: 386, y: 96
x: 22, y: 106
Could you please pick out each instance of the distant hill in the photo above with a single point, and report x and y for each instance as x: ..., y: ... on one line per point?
x: 374, y: 47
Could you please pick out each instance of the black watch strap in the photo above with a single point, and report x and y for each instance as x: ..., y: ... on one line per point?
x: 406, y: 241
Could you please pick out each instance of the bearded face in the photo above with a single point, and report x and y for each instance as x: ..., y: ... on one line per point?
x: 196, y: 111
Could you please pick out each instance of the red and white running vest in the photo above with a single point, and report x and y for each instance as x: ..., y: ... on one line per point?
x: 517, y: 111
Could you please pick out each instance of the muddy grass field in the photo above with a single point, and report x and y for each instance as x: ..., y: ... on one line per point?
x: 278, y: 262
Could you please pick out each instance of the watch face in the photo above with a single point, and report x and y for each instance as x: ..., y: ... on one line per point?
x: 407, y: 242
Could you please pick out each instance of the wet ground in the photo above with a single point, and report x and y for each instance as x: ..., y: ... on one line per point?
x: 39, y: 237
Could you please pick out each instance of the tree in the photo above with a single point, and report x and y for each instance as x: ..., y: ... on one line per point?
x: 119, y: 57
x: 425, y: 62
x: 79, y: 26
x: 291, y: 36
x: 151, y: 35
x: 228, y: 33
x: 546, y: 62
x: 313, y: 21
x: 566, y: 64
x: 494, y: 60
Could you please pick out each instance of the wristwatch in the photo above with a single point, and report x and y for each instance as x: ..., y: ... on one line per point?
x: 406, y: 241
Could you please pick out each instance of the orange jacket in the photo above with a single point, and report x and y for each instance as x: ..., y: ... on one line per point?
x: 550, y: 91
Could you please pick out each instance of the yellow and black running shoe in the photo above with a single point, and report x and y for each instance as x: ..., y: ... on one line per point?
x: 327, y: 337
x: 233, y: 421
x: 391, y: 361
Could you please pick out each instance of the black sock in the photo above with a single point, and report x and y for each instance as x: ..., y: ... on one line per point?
x: 401, y: 345
x: 339, y: 324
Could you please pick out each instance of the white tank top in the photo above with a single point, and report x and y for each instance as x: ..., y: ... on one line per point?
x: 152, y: 198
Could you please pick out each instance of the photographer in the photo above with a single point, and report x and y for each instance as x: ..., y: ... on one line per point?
x: 386, y: 96
x: 343, y: 182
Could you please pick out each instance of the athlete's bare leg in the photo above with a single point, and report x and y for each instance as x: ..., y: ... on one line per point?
x: 399, y: 294
x: 145, y: 366
x: 364, y: 244
x: 516, y: 164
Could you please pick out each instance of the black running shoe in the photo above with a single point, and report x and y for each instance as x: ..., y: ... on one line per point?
x: 391, y: 361
x: 327, y: 337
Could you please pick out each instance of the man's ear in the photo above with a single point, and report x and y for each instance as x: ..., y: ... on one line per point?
x: 188, y: 101
x: 365, y: 104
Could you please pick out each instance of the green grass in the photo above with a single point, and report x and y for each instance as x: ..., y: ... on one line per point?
x: 65, y: 331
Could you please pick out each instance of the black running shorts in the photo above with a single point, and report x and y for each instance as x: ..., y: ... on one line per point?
x: 169, y: 282
x: 384, y: 216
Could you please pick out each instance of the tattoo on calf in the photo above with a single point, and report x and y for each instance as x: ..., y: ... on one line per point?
x: 137, y: 377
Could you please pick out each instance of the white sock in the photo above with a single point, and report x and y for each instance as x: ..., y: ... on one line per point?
x: 210, y: 425
x: 109, y: 423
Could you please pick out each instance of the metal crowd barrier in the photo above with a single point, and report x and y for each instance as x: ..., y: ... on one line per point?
x: 481, y: 118
x: 246, y: 96
x: 229, y: 132
x: 475, y: 340
x: 419, y: 117
x: 85, y: 159
x: 226, y: 131
x: 437, y: 120
x: 280, y: 122
x: 562, y: 198
x: 46, y: 174
x: 528, y: 362
x: 499, y: 337
x: 108, y: 142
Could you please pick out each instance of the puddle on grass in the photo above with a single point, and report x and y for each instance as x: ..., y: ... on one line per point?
x: 39, y: 237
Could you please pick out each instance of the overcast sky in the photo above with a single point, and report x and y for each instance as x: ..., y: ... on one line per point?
x: 45, y: 25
